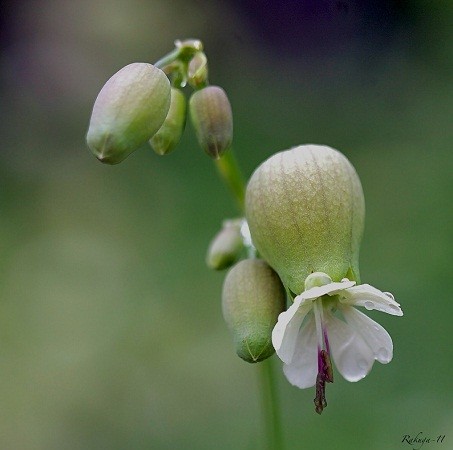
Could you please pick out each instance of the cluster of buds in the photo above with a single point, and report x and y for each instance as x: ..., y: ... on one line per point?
x: 299, y: 238
x: 143, y: 103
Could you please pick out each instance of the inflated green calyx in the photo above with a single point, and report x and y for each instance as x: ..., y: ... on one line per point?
x: 305, y: 209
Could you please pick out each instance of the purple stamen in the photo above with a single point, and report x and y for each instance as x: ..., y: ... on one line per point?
x: 327, y: 367
x: 325, y: 371
x: 326, y: 340
x: 325, y: 374
x: 327, y: 362
x: 320, y: 399
x: 320, y: 360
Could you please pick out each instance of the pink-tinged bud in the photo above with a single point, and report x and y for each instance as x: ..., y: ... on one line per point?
x: 128, y: 111
x: 212, y: 119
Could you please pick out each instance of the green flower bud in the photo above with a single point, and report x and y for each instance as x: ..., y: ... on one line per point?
x: 188, y: 47
x: 212, y: 119
x: 130, y: 108
x: 306, y: 210
x: 253, y: 296
x: 225, y: 248
x: 317, y: 279
x: 169, y: 134
x: 197, y: 70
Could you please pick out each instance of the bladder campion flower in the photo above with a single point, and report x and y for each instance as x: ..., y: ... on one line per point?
x: 305, y: 209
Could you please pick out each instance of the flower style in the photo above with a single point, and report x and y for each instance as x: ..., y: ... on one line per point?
x: 309, y: 332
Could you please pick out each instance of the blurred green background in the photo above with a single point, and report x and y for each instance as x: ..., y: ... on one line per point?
x: 111, y: 334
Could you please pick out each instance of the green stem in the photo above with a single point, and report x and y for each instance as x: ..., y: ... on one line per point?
x: 183, y: 52
x: 168, y: 58
x: 271, y: 406
x: 175, y: 62
x: 231, y: 174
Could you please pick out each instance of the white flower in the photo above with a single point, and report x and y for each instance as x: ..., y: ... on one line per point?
x: 308, y: 333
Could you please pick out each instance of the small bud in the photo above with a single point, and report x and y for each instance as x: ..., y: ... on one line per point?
x: 169, y: 134
x: 130, y: 108
x: 197, y: 71
x: 225, y: 248
x: 212, y: 119
x: 189, y: 45
x: 306, y: 210
x: 252, y: 298
x: 317, y: 279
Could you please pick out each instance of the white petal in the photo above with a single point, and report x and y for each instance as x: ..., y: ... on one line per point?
x: 304, y: 367
x: 371, y: 298
x: 331, y: 289
x: 284, y: 334
x: 374, y: 334
x: 352, y: 356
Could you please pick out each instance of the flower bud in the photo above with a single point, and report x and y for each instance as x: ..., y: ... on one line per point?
x: 252, y: 298
x: 226, y: 246
x: 212, y: 119
x: 130, y: 108
x: 188, y: 47
x: 197, y: 70
x: 306, y: 210
x: 169, y: 134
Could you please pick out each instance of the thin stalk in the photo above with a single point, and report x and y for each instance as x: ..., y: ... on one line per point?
x: 183, y: 52
x: 168, y: 58
x: 232, y: 176
x: 271, y: 406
